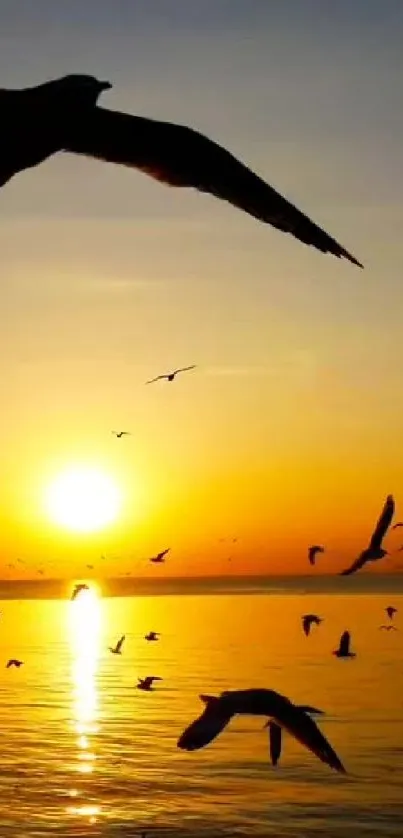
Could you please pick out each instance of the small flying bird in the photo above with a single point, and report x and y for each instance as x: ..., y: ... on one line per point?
x: 117, y: 650
x: 160, y: 557
x: 344, y: 647
x: 90, y: 566
x: 171, y: 375
x: 78, y: 588
x: 257, y: 702
x: 316, y: 548
x: 147, y: 683
x: 62, y: 116
x: 119, y: 434
x: 398, y: 524
x: 375, y: 550
x: 310, y: 619
x: 275, y: 732
x: 388, y: 628
x: 391, y: 611
x: 14, y: 662
x: 152, y: 635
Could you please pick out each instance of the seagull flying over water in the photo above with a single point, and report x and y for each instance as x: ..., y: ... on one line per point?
x: 152, y: 635
x: 160, y: 557
x: 388, y: 628
x: 257, y: 702
x: 171, y: 375
x: 275, y: 732
x: 391, y: 611
x: 117, y: 650
x: 308, y: 620
x: 14, y: 662
x: 316, y: 548
x: 375, y: 550
x: 119, y: 434
x: 344, y: 647
x: 78, y: 588
x: 147, y: 683
x: 62, y: 115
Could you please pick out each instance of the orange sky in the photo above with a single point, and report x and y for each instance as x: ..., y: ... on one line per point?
x: 289, y: 430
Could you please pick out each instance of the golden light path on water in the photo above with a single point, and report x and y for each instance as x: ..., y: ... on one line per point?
x: 85, y: 632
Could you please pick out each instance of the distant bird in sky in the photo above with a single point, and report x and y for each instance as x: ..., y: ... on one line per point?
x: 312, y: 551
x: 388, y: 628
x: 62, y: 115
x: 375, y: 550
x: 171, y: 375
x: 90, y: 566
x: 398, y: 524
x: 152, y: 635
x: 117, y: 650
x: 160, y: 557
x: 391, y: 611
x: 78, y: 588
x: 14, y: 662
x: 275, y: 732
x: 308, y: 620
x: 147, y: 683
x: 119, y: 434
x: 257, y: 702
x: 344, y: 647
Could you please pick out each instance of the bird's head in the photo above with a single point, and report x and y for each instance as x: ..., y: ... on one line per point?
x: 79, y: 90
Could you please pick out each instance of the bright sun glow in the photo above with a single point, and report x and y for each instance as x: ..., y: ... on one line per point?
x: 83, y: 499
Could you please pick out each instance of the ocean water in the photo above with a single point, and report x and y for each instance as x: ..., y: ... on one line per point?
x: 84, y: 753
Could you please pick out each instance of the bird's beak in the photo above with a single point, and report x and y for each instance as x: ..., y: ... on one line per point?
x: 105, y: 85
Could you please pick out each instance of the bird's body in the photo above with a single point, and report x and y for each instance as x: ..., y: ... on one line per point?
x: 275, y: 732
x: 375, y: 550
x: 147, y: 683
x: 62, y: 115
x: 119, y: 434
x: 391, y: 611
x: 78, y: 588
x: 117, y: 650
x: 257, y: 702
x: 312, y: 552
x: 308, y: 620
x: 344, y: 647
x: 160, y: 557
x: 170, y: 376
x: 14, y: 662
x: 152, y: 635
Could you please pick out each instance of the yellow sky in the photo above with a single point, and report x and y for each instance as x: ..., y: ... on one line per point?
x: 289, y: 430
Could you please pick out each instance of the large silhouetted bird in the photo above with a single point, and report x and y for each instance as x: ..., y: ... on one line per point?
x: 170, y: 376
x: 375, y: 550
x: 257, y: 702
x: 62, y: 115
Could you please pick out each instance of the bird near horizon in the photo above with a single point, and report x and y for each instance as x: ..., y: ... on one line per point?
x: 220, y: 710
x: 313, y: 551
x: 391, y: 611
x: 62, y: 115
x: 344, y: 647
x: 117, y: 650
x: 275, y: 732
x: 152, y: 635
x: 147, y: 683
x: 170, y: 376
x: 78, y: 588
x: 388, y: 628
x: 308, y: 620
x: 160, y: 557
x: 14, y: 662
x: 375, y: 550
x: 119, y: 434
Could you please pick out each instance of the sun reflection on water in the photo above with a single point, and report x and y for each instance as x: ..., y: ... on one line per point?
x: 85, y: 632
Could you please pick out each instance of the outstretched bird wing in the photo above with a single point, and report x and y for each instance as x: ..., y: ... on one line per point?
x: 120, y: 643
x: 312, y: 710
x: 184, y: 369
x: 306, y: 625
x: 306, y: 731
x: 203, y: 730
x: 383, y: 523
x: 344, y: 647
x: 179, y: 156
x: 357, y: 565
x: 158, y: 378
x: 275, y: 738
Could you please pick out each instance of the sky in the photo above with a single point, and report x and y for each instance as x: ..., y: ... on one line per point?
x: 288, y: 432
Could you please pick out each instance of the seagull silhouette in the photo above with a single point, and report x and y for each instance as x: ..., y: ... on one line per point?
x: 391, y: 611
x: 275, y: 732
x: 308, y: 620
x: 344, y: 647
x: 171, y: 375
x: 257, y: 702
x: 78, y: 588
x: 62, y: 115
x: 147, y: 683
x: 375, y: 550
x: 160, y: 557
x: 388, y: 628
x: 119, y: 434
x: 14, y: 662
x: 117, y: 650
x: 316, y: 548
x: 152, y: 635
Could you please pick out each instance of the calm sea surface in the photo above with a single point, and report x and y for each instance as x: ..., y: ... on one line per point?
x: 86, y: 754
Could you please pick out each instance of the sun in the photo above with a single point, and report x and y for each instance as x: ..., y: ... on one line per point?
x: 83, y: 499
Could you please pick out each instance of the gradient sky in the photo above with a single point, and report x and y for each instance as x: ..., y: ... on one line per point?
x: 289, y: 431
